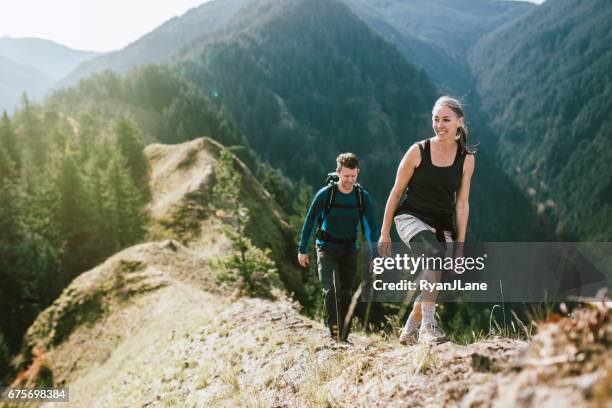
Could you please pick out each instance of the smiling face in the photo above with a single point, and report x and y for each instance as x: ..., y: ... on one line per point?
x: 348, y: 177
x: 445, y: 122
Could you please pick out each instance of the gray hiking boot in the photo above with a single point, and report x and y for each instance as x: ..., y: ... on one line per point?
x: 431, y: 334
x: 409, y: 337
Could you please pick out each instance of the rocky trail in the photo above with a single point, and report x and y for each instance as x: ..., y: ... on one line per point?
x: 162, y: 342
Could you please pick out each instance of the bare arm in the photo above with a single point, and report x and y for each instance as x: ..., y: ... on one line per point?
x: 462, y: 207
x: 411, y: 160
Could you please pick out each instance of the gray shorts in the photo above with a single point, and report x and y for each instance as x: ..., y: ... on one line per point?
x: 407, y: 226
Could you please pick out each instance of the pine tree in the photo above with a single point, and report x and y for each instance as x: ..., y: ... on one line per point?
x: 313, y: 302
x: 277, y: 185
x: 8, y: 139
x: 33, y: 133
x: 9, y: 216
x: 299, y: 208
x: 105, y: 243
x: 123, y: 205
x: 28, y: 265
x: 87, y: 135
x: 131, y: 147
x: 72, y: 218
x: 248, y: 266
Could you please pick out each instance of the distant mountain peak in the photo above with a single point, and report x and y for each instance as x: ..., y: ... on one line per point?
x: 32, y: 65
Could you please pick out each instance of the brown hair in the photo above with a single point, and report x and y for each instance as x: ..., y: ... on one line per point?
x: 348, y: 160
x: 456, y: 106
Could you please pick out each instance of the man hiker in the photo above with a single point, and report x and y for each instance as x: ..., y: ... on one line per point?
x: 339, y: 208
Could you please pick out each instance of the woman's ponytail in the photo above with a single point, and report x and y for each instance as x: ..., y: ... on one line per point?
x: 462, y: 139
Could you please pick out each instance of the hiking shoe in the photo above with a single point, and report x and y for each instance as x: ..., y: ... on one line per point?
x: 408, y: 337
x: 431, y: 334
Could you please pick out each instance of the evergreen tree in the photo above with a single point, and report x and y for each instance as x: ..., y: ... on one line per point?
x: 105, y: 242
x: 273, y: 181
x: 33, y: 133
x: 131, y: 147
x: 72, y: 218
x: 123, y: 205
x: 313, y: 303
x: 87, y: 135
x: 29, y: 271
x: 8, y: 139
x: 248, y: 266
x: 9, y: 216
x: 28, y: 264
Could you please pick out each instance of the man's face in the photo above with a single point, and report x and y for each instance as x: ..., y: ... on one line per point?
x: 348, y: 177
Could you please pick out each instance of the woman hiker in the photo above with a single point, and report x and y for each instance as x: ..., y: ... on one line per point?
x: 435, y: 174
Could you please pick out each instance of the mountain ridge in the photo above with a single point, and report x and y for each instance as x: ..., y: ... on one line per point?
x: 196, y: 22
x: 304, y: 104
x: 550, y: 118
x: 49, y: 56
x: 32, y: 65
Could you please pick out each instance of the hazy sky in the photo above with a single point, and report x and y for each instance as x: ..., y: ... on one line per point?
x: 97, y: 25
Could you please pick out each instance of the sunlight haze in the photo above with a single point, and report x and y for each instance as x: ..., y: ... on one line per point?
x: 92, y: 25
x: 89, y: 25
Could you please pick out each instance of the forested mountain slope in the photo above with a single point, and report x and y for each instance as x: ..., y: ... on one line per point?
x: 289, y: 75
x: 162, y: 43
x: 546, y: 85
x: 74, y: 181
x: 437, y: 35
x: 301, y: 93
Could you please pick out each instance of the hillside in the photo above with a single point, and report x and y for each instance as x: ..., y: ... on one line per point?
x: 182, y: 194
x: 15, y: 79
x: 162, y: 43
x: 437, y: 35
x: 55, y: 60
x: 287, y: 75
x: 301, y: 93
x: 151, y: 327
x: 545, y: 84
x: 443, y: 70
x: 32, y: 65
x: 414, y: 27
x: 166, y: 107
x: 455, y: 26
x: 120, y: 335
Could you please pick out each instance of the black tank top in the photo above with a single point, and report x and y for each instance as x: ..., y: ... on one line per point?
x: 431, y: 192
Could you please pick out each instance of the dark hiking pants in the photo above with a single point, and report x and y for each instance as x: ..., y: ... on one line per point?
x: 337, y: 269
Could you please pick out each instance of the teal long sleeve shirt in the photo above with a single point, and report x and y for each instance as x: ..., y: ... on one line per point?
x: 340, y: 223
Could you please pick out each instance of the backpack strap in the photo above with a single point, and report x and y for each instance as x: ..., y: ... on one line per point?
x: 360, y: 207
x: 331, y: 198
x: 329, y: 203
